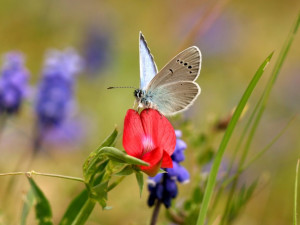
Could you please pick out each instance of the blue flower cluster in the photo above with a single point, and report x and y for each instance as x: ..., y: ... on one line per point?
x: 163, y: 186
x: 13, y: 83
x: 96, y: 50
x: 55, y: 94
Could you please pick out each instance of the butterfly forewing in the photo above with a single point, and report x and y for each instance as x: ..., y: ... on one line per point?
x: 174, y: 97
x: 183, y: 67
x: 148, y: 68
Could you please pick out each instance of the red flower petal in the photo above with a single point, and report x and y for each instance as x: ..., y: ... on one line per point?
x: 154, y: 158
x: 166, y: 161
x: 160, y: 129
x: 133, y: 134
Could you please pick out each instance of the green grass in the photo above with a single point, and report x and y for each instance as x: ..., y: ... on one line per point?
x: 259, y: 109
x: 232, y: 124
x: 296, y: 193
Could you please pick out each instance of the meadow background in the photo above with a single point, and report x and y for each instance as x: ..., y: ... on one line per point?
x: 234, y: 38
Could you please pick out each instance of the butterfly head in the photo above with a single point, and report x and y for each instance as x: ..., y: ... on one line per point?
x: 139, y: 93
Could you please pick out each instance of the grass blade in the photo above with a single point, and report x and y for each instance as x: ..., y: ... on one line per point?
x: 270, y: 84
x: 218, y: 158
x: 295, y: 194
x: 262, y: 106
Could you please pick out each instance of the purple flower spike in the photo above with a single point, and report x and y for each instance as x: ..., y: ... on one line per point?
x: 183, y: 175
x: 13, y: 83
x: 163, y: 186
x: 55, y: 96
x: 96, y: 49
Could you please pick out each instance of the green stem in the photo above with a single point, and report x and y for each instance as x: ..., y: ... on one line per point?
x: 114, y: 184
x: 85, y: 212
x: 30, y: 173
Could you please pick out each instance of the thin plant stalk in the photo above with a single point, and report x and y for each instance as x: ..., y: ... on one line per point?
x: 228, y: 179
x: 30, y: 173
x: 155, y: 213
x: 296, y: 193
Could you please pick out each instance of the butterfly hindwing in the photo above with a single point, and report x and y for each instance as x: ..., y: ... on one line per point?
x: 183, y: 67
x: 148, y: 67
x: 175, y: 97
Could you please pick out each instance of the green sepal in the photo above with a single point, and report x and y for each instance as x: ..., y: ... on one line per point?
x: 140, y: 180
x: 127, y: 170
x: 122, y: 156
x: 162, y: 171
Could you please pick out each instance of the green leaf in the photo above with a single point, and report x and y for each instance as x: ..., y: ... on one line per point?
x: 28, y: 203
x: 99, y: 193
x: 42, y: 207
x: 231, y: 126
x: 110, y: 140
x: 114, y: 154
x: 90, y: 163
x: 140, y: 179
x: 74, y: 208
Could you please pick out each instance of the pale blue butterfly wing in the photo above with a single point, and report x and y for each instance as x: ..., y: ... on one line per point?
x: 175, y: 97
x: 173, y: 89
x: 148, y: 67
x: 185, y: 66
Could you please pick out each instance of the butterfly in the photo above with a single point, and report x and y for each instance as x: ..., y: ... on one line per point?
x: 173, y: 89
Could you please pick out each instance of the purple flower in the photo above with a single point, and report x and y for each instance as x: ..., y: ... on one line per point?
x: 96, y: 50
x: 55, y: 94
x: 163, y: 186
x: 13, y: 83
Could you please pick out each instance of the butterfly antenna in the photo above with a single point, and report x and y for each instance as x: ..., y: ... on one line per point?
x: 122, y: 87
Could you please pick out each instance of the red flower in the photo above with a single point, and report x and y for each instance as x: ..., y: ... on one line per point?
x: 149, y: 137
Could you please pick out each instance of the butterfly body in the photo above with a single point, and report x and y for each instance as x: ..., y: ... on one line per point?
x: 173, y: 88
x: 144, y: 99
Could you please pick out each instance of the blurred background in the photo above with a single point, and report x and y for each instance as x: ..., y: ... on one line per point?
x: 234, y: 38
